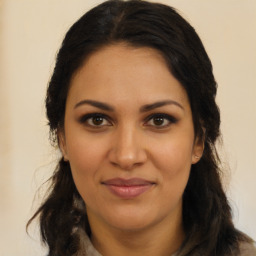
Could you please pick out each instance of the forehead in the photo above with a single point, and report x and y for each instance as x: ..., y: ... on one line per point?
x: 122, y: 72
x: 121, y: 55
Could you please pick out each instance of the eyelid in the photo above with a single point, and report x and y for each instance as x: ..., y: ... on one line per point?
x: 170, y: 118
x: 84, y: 118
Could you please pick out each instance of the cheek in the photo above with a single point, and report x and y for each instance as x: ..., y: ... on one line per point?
x: 85, y: 158
x: 174, y: 157
x: 84, y: 172
x: 173, y: 160
x: 84, y: 153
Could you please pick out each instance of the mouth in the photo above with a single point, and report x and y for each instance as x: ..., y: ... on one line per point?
x: 128, y: 188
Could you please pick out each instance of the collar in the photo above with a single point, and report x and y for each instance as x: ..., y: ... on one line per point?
x: 86, y: 246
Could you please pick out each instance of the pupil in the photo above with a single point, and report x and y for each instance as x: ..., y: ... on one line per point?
x: 158, y: 120
x: 97, y: 120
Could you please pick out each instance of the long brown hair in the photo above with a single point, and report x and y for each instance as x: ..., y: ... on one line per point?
x: 207, y: 216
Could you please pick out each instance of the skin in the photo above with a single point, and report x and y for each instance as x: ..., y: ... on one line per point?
x: 130, y: 140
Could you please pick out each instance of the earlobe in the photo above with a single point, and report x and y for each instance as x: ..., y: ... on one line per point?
x: 198, y: 150
x: 195, y: 159
x: 62, y: 145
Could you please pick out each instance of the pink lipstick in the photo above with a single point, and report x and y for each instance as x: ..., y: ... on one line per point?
x: 128, y: 188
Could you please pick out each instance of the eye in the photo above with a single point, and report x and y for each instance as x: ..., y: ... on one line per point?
x: 95, y: 120
x: 160, y: 120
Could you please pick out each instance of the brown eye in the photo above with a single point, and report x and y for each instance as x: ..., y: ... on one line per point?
x: 95, y: 120
x: 158, y: 121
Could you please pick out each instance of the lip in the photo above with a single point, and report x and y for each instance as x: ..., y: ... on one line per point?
x: 128, y: 188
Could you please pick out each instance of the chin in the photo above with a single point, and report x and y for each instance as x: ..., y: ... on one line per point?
x: 131, y: 221
x: 131, y: 225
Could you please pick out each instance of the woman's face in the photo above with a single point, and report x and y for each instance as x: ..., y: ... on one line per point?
x: 129, y: 138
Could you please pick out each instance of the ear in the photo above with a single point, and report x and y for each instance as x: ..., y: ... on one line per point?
x: 198, y: 150
x: 62, y: 144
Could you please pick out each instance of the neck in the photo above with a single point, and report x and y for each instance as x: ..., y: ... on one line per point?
x: 162, y: 239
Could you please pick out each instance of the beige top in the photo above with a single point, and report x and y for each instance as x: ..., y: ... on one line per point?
x: 87, y: 249
x: 248, y: 249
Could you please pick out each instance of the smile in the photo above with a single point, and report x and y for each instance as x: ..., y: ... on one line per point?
x: 129, y: 188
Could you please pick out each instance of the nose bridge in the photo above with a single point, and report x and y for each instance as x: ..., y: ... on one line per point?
x: 126, y: 141
x: 127, y: 149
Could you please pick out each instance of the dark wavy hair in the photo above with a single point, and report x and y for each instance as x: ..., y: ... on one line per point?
x: 207, y: 215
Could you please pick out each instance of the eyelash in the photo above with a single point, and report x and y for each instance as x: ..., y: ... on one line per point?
x: 85, y: 119
x: 169, y: 118
x: 165, y: 117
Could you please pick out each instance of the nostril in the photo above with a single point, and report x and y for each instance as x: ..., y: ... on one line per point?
x: 127, y: 162
x: 113, y: 163
x: 125, y: 151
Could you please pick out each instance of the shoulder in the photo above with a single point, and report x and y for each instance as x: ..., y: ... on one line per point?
x: 247, y: 249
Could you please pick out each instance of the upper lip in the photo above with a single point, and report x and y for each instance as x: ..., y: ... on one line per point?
x: 127, y: 182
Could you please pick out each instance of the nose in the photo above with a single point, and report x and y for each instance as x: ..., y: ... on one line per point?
x: 127, y: 149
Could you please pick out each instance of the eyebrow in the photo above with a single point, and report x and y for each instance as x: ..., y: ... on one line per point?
x: 97, y: 104
x: 159, y: 104
x: 145, y: 108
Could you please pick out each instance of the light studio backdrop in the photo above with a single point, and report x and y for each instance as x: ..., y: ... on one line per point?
x: 30, y: 34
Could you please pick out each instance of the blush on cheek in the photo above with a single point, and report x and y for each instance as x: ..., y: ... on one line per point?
x: 81, y: 155
x: 83, y: 183
x: 175, y: 160
x: 175, y: 184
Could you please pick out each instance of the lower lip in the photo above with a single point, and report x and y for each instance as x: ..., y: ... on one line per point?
x: 129, y: 192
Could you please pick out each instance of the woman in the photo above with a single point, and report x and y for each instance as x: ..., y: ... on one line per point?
x: 131, y: 104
